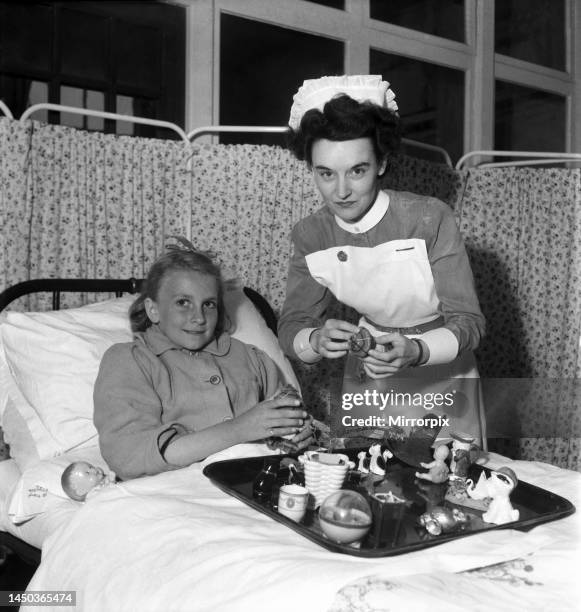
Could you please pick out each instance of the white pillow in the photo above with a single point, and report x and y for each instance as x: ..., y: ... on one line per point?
x: 247, y: 325
x: 52, y: 360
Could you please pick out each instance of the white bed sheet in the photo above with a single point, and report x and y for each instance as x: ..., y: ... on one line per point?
x: 176, y: 542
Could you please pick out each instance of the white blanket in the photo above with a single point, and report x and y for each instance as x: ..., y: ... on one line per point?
x: 175, y: 542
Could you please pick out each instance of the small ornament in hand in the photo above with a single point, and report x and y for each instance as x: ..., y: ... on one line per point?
x: 361, y: 342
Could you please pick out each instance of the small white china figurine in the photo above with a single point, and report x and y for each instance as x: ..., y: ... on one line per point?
x: 81, y: 478
x: 361, y: 466
x: 498, y: 487
x: 460, y: 463
x: 378, y: 460
x: 438, y: 470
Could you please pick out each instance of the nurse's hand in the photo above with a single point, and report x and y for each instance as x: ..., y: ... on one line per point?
x: 394, y: 353
x: 332, y: 340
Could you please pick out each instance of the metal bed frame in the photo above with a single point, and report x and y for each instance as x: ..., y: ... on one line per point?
x: 530, y: 158
x: 193, y: 134
x: 57, y: 286
x: 28, y: 553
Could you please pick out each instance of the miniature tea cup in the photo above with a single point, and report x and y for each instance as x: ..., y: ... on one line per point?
x: 292, y: 501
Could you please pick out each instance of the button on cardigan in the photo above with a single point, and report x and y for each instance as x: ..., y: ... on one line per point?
x: 150, y: 387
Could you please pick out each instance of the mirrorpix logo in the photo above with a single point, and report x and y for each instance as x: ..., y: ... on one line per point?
x: 367, y: 404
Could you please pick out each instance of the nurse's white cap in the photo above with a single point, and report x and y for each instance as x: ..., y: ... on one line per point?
x: 315, y: 93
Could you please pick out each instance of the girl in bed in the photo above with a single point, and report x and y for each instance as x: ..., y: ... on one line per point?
x: 397, y: 258
x: 184, y: 389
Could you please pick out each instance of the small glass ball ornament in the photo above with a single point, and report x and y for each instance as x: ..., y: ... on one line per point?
x: 345, y: 516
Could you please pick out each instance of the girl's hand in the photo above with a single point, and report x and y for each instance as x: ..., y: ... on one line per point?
x: 332, y: 340
x: 272, y: 417
x: 393, y: 353
x: 305, y: 436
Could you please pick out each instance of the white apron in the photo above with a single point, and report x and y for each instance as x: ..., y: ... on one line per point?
x: 392, y: 285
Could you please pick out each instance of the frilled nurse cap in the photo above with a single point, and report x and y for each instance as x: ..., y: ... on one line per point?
x: 315, y: 93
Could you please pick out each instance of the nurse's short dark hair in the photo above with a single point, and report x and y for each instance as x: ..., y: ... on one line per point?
x: 173, y: 260
x: 343, y: 118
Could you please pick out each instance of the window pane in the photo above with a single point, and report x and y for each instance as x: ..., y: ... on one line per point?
x: 37, y: 94
x: 84, y: 45
x: 138, y: 107
x: 430, y: 100
x: 125, y: 107
x: 261, y: 68
x: 20, y: 93
x: 139, y: 53
x: 531, y: 30
x: 338, y: 4
x: 82, y: 98
x: 443, y: 18
x: 528, y: 119
x: 95, y: 100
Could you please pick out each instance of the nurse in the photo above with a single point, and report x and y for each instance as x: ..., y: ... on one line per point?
x: 397, y: 258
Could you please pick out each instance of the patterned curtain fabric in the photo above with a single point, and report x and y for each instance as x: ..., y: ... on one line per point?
x: 406, y: 173
x: 15, y: 209
x: 246, y: 199
x: 522, y: 227
x: 86, y: 204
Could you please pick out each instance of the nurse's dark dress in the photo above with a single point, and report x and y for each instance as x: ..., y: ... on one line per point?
x: 403, y: 265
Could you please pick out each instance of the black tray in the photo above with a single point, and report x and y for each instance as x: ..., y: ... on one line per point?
x: 399, y: 533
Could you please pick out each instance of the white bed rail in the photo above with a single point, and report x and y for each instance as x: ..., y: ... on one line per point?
x: 264, y: 129
x: 104, y: 115
x: 193, y: 134
x: 531, y: 157
x: 4, y: 108
x: 534, y: 158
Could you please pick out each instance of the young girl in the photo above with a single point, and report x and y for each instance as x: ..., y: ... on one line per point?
x: 184, y: 389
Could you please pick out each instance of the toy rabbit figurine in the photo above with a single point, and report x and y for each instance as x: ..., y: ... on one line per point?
x: 438, y: 470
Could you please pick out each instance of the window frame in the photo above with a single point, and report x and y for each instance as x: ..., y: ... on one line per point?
x: 359, y: 32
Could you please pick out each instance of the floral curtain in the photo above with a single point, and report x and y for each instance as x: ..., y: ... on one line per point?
x: 406, y: 173
x: 15, y: 210
x: 245, y: 201
x: 522, y: 228
x: 86, y: 204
